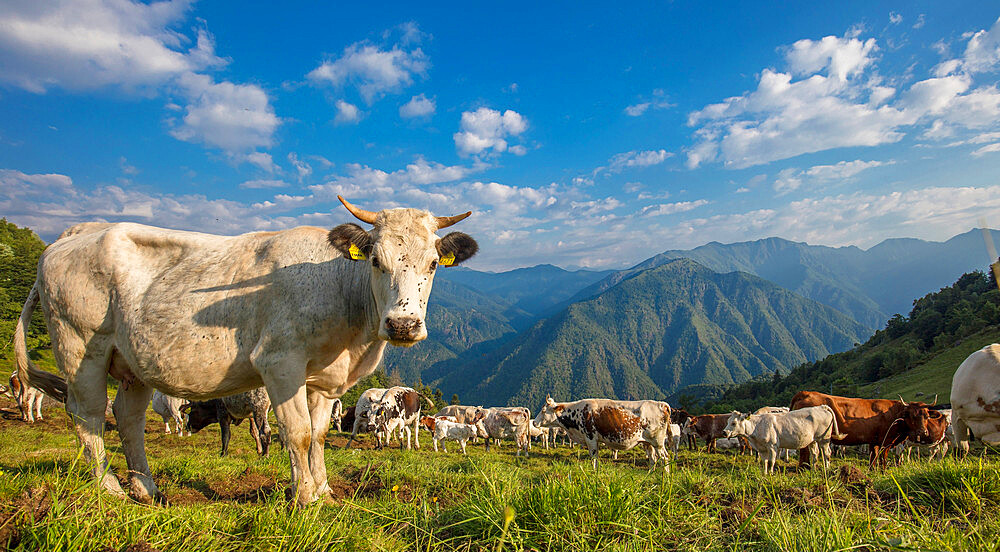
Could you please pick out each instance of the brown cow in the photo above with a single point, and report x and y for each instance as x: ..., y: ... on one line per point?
x: 709, y: 427
x: 879, y: 423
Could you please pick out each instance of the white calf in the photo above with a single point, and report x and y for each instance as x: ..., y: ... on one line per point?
x: 811, y: 427
x: 169, y: 408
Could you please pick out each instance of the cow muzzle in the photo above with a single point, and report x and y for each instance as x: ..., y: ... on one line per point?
x: 404, y: 330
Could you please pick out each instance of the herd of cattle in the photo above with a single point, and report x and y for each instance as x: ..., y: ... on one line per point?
x: 308, y: 312
x: 814, y: 422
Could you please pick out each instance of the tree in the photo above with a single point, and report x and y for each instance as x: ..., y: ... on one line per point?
x: 454, y: 399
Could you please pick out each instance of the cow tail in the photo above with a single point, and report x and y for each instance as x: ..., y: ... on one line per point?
x: 430, y: 403
x: 835, y: 433
x: 27, y: 373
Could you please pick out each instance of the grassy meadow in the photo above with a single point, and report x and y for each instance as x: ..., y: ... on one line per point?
x: 421, y: 500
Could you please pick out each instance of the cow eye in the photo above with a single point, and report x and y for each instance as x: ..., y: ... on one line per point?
x: 434, y: 264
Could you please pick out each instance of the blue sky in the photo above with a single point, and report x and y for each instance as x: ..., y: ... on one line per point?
x: 578, y: 135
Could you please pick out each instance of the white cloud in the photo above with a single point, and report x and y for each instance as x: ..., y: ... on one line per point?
x: 263, y: 161
x: 895, y: 18
x: 518, y: 150
x: 94, y: 44
x: 418, y: 106
x: 374, y: 71
x: 832, y: 97
x: 126, y: 167
x: 89, y: 44
x: 347, y: 113
x: 982, y: 53
x: 633, y: 158
x: 487, y: 129
x: 232, y: 117
x: 260, y: 184
x: 301, y: 167
x: 637, y: 109
x: 792, y: 178
x: 989, y: 148
x: 671, y: 208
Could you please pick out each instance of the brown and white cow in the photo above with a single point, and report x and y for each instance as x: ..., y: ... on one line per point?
x: 620, y: 425
x: 397, y: 412
x: 879, y: 423
x: 709, y: 427
x: 28, y: 398
x: 337, y: 414
x: 361, y: 413
x: 975, y: 398
x: 252, y: 405
x: 306, y: 312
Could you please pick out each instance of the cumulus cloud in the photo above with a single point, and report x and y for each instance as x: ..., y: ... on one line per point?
x: 231, y: 117
x: 831, y: 96
x: 373, y: 70
x: 263, y: 161
x: 133, y: 46
x: 347, y: 113
x: 657, y: 101
x: 488, y: 129
x: 418, y: 106
x: 637, y: 110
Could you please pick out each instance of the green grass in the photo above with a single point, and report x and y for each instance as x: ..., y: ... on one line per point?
x: 932, y: 377
x: 419, y: 500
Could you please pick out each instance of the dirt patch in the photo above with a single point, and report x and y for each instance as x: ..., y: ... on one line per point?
x: 29, y: 508
x: 734, y: 514
x: 247, y: 487
x: 358, y: 483
x: 852, y: 475
x: 801, y: 497
x: 139, y: 547
x: 366, y: 442
x: 184, y: 496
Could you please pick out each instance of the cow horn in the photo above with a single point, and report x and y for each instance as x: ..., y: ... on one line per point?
x: 901, y: 399
x: 361, y: 214
x: 935, y: 399
x: 444, y: 222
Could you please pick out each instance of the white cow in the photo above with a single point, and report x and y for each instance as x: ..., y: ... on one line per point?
x: 463, y: 413
x: 446, y: 430
x: 306, y: 312
x: 508, y: 422
x: 535, y: 431
x: 975, y: 398
x: 363, y: 412
x: 620, y: 425
x: 674, y: 438
x: 811, y: 427
x: 169, y: 408
x: 727, y: 443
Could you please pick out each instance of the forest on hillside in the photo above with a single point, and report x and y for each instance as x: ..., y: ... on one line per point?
x: 937, y: 322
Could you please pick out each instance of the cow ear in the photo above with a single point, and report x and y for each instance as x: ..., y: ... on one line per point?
x: 352, y: 241
x: 559, y: 408
x: 455, y: 248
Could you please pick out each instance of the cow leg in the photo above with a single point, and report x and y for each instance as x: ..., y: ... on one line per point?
x: 130, y: 415
x: 224, y: 430
x: 462, y: 442
x: 435, y: 444
x: 264, y: 430
x: 39, y: 397
x: 320, y: 409
x: 804, y: 457
x: 354, y: 431
x: 416, y: 432
x: 592, y: 449
x: 286, y: 387
x: 255, y: 435
x: 961, y: 436
x: 86, y: 371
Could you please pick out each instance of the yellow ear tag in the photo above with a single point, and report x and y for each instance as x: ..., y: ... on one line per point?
x: 448, y: 259
x: 356, y: 253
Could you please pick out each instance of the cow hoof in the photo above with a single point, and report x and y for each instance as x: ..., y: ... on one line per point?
x: 110, y: 484
x: 142, y: 488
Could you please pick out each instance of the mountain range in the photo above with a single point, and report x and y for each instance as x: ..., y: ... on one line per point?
x: 726, y: 314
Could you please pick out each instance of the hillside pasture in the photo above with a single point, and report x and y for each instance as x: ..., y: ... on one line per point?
x: 421, y: 500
